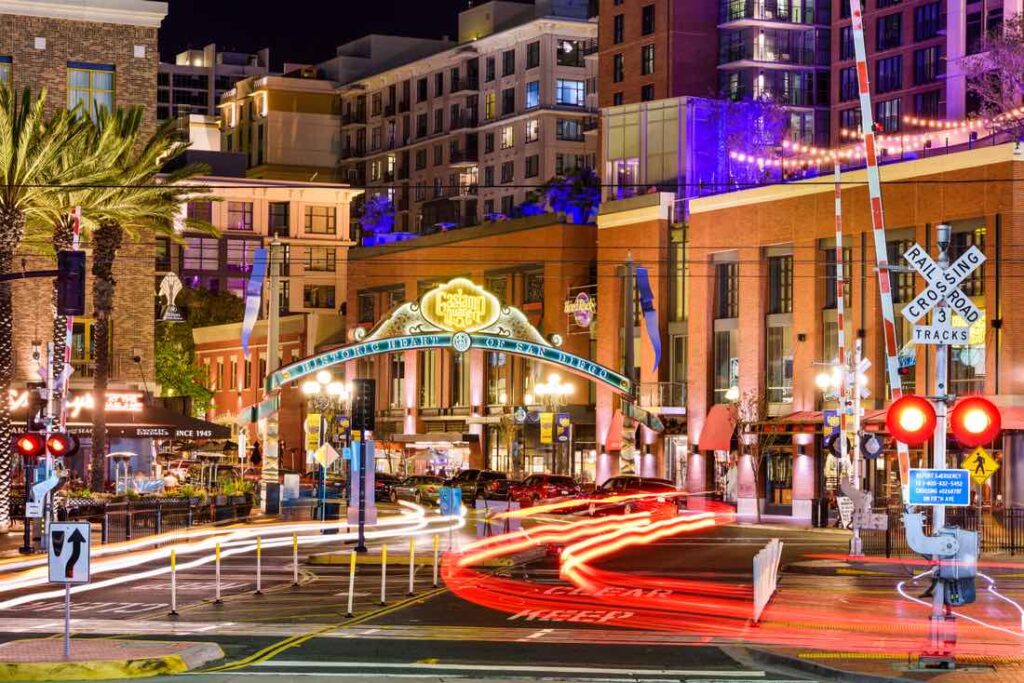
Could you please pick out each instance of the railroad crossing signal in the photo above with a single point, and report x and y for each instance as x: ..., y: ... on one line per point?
x: 943, y: 284
x: 980, y: 465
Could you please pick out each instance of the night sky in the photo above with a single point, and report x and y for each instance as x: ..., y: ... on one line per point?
x: 300, y: 31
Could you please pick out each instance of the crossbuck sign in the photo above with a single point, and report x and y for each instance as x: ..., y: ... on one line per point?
x: 943, y: 284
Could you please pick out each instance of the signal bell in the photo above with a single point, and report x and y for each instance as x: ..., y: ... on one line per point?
x: 975, y: 421
x: 911, y: 420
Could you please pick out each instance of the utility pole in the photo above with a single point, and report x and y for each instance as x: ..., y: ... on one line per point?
x: 629, y: 352
x: 269, y: 485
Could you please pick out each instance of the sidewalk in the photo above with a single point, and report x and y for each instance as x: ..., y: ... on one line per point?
x: 42, y: 659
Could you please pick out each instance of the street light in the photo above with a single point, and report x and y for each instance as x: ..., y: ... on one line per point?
x: 553, y: 391
x: 325, y: 394
x: 732, y: 393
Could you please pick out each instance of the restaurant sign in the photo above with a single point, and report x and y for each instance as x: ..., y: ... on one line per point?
x: 117, y: 402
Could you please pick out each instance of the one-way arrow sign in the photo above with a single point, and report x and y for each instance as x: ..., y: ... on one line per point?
x: 69, y: 552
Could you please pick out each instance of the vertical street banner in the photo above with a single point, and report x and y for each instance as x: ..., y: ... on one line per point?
x: 562, y: 425
x: 547, y: 424
x: 830, y: 422
x: 253, y: 292
x: 643, y: 283
x: 312, y: 429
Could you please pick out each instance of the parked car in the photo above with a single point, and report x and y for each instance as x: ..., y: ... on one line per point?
x: 538, y: 488
x: 476, y: 483
x: 628, y: 485
x: 382, y: 485
x: 423, y: 489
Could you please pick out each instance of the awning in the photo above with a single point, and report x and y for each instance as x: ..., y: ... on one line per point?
x: 613, y: 441
x: 1012, y: 417
x: 435, y: 437
x: 718, y: 428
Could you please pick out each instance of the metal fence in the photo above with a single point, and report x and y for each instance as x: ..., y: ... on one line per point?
x: 124, y: 521
x: 999, y: 530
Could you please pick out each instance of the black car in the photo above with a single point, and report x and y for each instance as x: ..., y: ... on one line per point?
x: 382, y: 485
x: 477, y: 483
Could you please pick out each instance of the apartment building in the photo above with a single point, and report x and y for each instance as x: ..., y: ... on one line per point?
x: 915, y: 50
x: 469, y: 131
x: 198, y: 78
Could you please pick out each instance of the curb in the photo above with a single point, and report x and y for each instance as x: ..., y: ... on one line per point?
x: 397, y: 560
x: 195, y: 656
x: 769, y: 658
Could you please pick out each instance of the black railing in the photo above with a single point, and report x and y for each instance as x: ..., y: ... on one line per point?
x: 1000, y: 530
x: 123, y: 521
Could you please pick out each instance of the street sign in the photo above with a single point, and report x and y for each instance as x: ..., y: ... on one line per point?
x: 69, y: 552
x: 980, y: 465
x: 450, y: 500
x: 645, y: 417
x: 325, y: 455
x: 941, y: 331
x: 942, y: 283
x: 939, y: 487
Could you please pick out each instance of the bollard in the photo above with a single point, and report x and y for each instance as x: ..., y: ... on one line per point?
x: 383, y: 573
x: 437, y: 551
x: 174, y: 585
x: 295, y: 560
x: 259, y: 567
x: 216, y: 576
x: 412, y: 563
x: 351, y: 581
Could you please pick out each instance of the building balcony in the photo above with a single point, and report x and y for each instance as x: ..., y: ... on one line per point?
x: 403, y: 107
x: 463, y: 191
x: 402, y: 173
x: 766, y: 54
x: 465, y: 84
x: 353, y: 152
x: 465, y: 120
x: 590, y: 47
x: 591, y: 124
x: 389, y: 109
x: 732, y: 11
x: 354, y: 118
x: 666, y: 398
x: 464, y: 157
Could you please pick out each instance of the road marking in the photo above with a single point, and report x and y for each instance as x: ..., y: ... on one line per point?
x: 299, y: 664
x: 540, y: 633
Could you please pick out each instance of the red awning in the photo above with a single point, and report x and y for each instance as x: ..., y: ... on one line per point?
x: 613, y: 442
x: 1012, y: 416
x: 718, y: 428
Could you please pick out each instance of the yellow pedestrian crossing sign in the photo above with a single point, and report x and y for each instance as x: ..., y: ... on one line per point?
x: 980, y: 464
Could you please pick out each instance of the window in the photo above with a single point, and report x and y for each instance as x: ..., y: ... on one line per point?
x: 533, y: 55
x: 489, y: 69
x: 438, y: 155
x: 961, y: 241
x: 5, y: 70
x: 377, y: 103
x: 568, y: 129
x: 508, y: 171
x: 569, y: 163
x: 507, y: 203
x: 532, y: 166
x: 240, y: 216
x: 928, y: 104
x: 889, y: 74
x: 570, y: 92
x: 488, y: 143
x: 421, y: 125
x: 318, y: 296
x: 569, y: 53
x: 888, y: 31
x: 780, y: 284
x: 277, y: 222
x: 727, y: 363
x: 489, y: 101
x: 321, y: 220
x: 438, y: 84
x: 618, y: 28
x: 849, y: 119
x: 321, y: 259
x: 647, y: 20
x: 928, y: 65
x: 233, y: 374
x: 647, y: 60
x: 247, y: 374
x: 421, y: 158
x: 438, y: 121
x: 200, y: 210
x: 201, y: 253
x: 488, y: 177
x: 617, y: 99
x: 882, y: 4
x: 618, y: 68
x: 508, y: 138
x: 219, y: 386
x: 366, y: 307
x: 421, y: 90
x: 240, y: 254
x: 532, y: 130
x: 508, y: 101
x: 846, y: 50
x: 847, y: 84
x: 927, y: 21
x: 459, y: 379
x: 647, y: 92
x: 727, y: 290
x: 887, y: 114
x: 508, y: 62
x: 779, y: 364
x: 829, y: 264
x: 497, y: 378
x: 163, y: 253
x: 429, y: 380
x: 90, y: 86
x: 532, y: 94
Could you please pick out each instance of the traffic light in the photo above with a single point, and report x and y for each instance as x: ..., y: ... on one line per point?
x: 71, y: 283
x: 911, y: 420
x: 975, y: 421
x: 62, y: 445
x: 30, y: 445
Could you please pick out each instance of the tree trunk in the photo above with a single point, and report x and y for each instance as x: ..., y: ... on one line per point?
x: 106, y: 242
x: 63, y: 236
x: 12, y: 228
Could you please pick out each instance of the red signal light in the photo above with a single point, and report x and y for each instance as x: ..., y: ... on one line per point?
x: 975, y: 421
x: 30, y: 445
x: 59, y: 444
x: 911, y: 420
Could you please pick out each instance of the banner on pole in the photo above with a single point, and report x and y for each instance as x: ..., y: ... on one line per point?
x: 547, y: 424
x: 253, y: 294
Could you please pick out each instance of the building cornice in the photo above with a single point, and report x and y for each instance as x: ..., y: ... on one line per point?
x: 130, y: 12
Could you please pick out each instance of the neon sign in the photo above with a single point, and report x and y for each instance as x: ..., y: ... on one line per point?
x: 460, y: 306
x: 582, y: 308
x: 117, y: 402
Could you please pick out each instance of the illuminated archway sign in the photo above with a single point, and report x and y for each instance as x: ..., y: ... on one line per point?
x: 460, y: 315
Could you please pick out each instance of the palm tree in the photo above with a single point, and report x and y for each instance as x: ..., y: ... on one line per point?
x: 31, y: 150
x: 141, y: 200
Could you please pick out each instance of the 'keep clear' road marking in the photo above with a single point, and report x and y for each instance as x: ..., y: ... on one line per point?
x: 574, y: 616
x: 725, y: 675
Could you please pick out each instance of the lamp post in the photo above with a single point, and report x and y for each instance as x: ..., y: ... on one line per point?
x: 324, y: 394
x: 554, y: 394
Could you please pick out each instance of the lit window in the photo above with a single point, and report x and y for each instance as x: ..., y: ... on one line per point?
x: 90, y: 86
x: 5, y: 70
x: 321, y: 220
x: 532, y: 94
x: 570, y: 92
x: 239, y: 216
x: 201, y: 253
x: 489, y: 102
x: 508, y: 138
x: 321, y: 259
x: 318, y: 296
x: 532, y: 130
x: 647, y: 60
